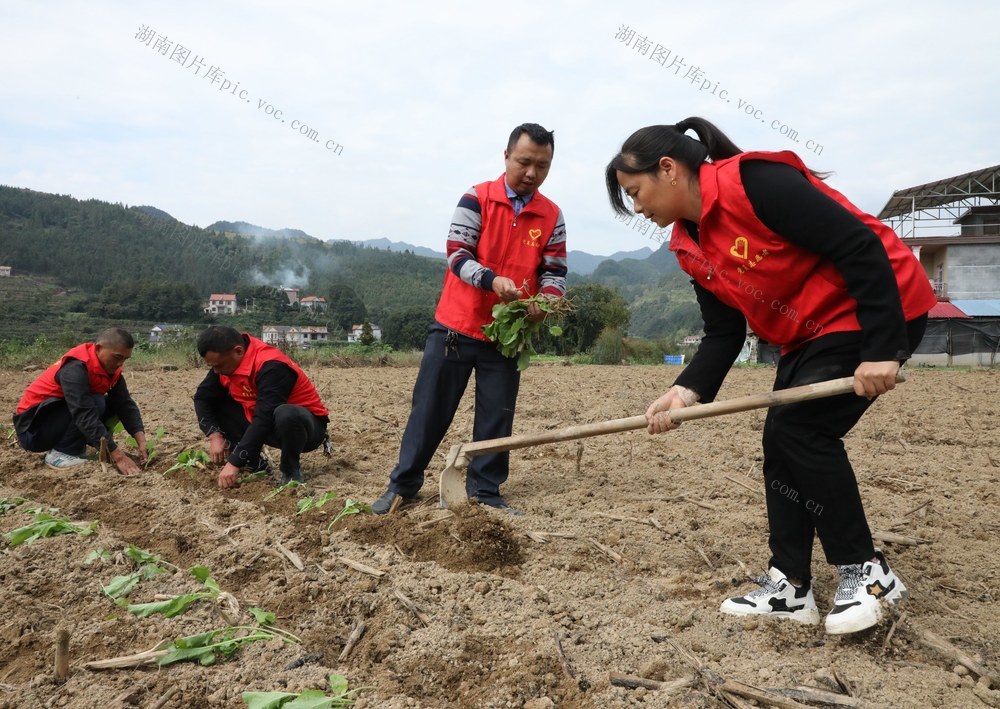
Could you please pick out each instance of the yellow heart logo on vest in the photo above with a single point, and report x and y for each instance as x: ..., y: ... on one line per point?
x: 535, y: 234
x: 740, y: 248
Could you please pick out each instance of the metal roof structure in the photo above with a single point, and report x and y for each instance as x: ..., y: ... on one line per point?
x: 947, y: 199
x: 979, y: 308
x: 944, y: 309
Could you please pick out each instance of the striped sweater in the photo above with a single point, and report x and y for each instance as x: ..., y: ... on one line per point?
x: 463, y: 239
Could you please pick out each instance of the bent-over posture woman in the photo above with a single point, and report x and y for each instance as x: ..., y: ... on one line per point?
x: 770, y: 245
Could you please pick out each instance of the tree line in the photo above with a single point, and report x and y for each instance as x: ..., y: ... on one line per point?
x: 138, y: 263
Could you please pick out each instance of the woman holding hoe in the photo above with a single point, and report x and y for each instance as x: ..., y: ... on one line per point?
x: 769, y: 244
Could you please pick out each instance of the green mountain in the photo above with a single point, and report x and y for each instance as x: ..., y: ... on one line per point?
x: 140, y: 264
x: 660, y: 297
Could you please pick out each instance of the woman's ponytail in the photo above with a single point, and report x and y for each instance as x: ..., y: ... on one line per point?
x: 717, y: 143
x: 644, y: 148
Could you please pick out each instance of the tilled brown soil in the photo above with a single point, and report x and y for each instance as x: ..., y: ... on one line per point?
x: 677, y: 512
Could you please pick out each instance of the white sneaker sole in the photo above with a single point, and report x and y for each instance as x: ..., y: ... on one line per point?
x: 65, y: 466
x: 868, y: 617
x: 806, y: 616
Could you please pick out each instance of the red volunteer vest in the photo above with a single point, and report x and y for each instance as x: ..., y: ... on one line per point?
x: 46, y: 386
x: 242, y: 384
x: 788, y: 294
x: 508, y: 246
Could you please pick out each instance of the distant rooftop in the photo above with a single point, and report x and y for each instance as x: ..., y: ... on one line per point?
x: 978, y: 184
x: 944, y: 309
x: 979, y: 308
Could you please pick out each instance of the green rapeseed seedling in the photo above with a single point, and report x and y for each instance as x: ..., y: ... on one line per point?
x: 102, y: 554
x: 263, y: 617
x: 290, y: 485
x: 314, y: 502
x: 205, y: 648
x: 192, y: 461
x: 150, y: 566
x: 9, y: 503
x: 47, y: 525
x: 178, y: 604
x: 351, y: 507
x: 340, y: 696
x: 151, y: 443
x: 512, y: 331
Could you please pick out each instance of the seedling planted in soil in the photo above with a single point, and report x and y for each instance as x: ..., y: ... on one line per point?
x: 9, y: 503
x: 151, y: 443
x: 102, y: 554
x: 205, y: 648
x: 290, y: 485
x: 339, y: 696
x: 314, y: 502
x: 178, y: 604
x: 192, y: 461
x: 351, y: 507
x: 149, y: 568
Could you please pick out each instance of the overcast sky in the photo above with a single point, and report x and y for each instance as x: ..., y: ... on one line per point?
x: 411, y: 103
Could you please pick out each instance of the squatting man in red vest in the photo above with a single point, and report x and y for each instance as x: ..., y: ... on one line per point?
x: 506, y: 241
x: 255, y: 395
x: 74, y: 403
x: 770, y: 245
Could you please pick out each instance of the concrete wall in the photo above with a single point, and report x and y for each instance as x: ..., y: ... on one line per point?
x: 973, y: 271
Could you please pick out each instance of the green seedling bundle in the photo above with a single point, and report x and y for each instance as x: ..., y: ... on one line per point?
x: 513, y: 332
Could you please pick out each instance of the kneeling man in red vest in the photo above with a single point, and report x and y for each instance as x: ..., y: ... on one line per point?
x: 255, y: 395
x: 76, y: 401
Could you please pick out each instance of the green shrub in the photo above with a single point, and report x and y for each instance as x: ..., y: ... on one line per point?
x: 609, y: 348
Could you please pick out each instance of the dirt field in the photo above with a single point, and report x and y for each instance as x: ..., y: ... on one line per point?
x: 494, y: 599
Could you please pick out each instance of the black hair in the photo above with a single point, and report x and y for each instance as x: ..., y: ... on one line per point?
x: 644, y: 148
x: 534, y: 131
x: 116, y: 337
x: 220, y: 339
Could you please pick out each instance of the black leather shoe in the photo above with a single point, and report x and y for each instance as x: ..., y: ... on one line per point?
x: 503, y: 507
x: 295, y: 475
x: 382, y: 504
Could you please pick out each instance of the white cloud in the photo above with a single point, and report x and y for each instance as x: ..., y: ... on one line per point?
x: 422, y: 98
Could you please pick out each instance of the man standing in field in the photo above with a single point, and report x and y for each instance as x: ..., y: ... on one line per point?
x: 506, y: 241
x: 72, y: 404
x: 255, y: 395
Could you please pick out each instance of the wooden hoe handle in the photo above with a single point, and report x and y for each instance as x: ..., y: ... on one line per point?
x: 806, y: 392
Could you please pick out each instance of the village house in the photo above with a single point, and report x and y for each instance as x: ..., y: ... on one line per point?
x: 312, y: 302
x: 952, y: 226
x: 296, y: 335
x: 164, y: 332
x: 355, y: 333
x: 221, y: 304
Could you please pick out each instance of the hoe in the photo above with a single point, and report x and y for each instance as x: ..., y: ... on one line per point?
x: 453, y: 478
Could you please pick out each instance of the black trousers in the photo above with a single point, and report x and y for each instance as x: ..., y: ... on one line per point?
x: 296, y: 430
x: 448, y: 362
x: 810, y: 485
x: 52, y: 426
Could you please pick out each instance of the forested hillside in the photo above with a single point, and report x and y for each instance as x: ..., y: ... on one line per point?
x: 92, y: 261
x: 660, y: 297
x: 91, y: 244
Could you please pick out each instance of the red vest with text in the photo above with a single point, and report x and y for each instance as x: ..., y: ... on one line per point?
x: 242, y: 384
x: 788, y: 294
x: 508, y: 246
x: 46, y: 386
